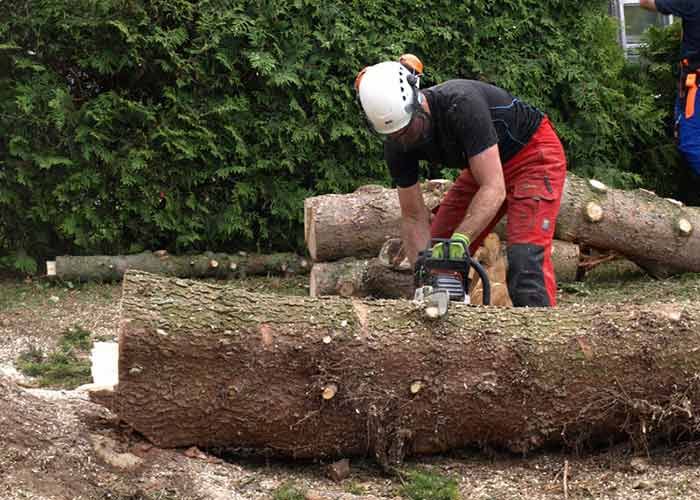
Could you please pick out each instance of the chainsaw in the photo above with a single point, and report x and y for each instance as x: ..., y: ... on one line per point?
x: 439, y: 281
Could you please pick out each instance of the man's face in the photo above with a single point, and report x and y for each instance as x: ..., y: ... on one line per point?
x: 415, y: 133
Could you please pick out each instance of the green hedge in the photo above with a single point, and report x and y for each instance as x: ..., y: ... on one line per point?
x: 190, y: 125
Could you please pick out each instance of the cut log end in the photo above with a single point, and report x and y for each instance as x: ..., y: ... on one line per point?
x: 311, y: 241
x: 213, y: 264
x: 597, y: 186
x: 685, y: 228
x: 594, y: 212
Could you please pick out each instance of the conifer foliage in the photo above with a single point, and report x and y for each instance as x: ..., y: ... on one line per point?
x: 203, y: 124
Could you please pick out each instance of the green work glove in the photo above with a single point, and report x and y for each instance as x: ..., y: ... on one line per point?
x: 456, y: 249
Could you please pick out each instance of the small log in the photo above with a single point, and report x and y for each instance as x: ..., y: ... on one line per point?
x: 206, y: 265
x: 360, y: 278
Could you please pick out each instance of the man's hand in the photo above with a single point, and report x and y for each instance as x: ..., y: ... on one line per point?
x: 648, y: 4
x: 456, y: 251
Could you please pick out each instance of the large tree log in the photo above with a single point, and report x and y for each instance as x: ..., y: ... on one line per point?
x: 209, y: 365
x: 656, y: 233
x: 206, y: 265
x: 371, y: 212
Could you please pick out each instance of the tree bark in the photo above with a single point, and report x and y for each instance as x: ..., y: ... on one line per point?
x: 207, y: 364
x: 372, y: 213
x: 207, y: 265
x: 360, y: 278
x: 658, y: 234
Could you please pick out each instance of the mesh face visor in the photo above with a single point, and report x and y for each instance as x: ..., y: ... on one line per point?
x: 417, y: 133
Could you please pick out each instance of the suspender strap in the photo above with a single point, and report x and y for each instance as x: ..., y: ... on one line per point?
x: 691, y: 86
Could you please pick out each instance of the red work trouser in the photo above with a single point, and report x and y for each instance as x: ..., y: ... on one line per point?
x: 534, y: 181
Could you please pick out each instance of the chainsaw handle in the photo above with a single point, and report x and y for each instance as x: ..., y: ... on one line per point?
x: 485, y: 283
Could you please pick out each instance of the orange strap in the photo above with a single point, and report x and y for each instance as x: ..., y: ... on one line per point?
x: 358, y: 78
x: 692, y: 85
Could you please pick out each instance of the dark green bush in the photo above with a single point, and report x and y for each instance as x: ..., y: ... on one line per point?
x: 192, y: 125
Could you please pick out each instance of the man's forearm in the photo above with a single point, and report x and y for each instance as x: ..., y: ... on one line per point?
x: 415, y: 234
x: 482, y: 210
x: 648, y: 4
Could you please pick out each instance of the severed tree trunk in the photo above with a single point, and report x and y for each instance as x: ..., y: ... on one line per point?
x: 207, y: 364
x: 207, y: 265
x: 372, y: 213
x: 658, y: 234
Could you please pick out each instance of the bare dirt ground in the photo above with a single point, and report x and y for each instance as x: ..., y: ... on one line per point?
x: 56, y: 444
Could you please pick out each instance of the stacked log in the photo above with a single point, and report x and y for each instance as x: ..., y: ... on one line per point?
x: 655, y: 233
x: 376, y: 277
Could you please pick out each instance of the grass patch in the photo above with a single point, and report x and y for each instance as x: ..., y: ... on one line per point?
x: 67, y: 367
x: 355, y: 489
x: 288, y: 491
x: 15, y: 294
x: 423, y: 485
x: 638, y: 288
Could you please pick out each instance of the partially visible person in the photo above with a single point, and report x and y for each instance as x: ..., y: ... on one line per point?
x: 688, y: 102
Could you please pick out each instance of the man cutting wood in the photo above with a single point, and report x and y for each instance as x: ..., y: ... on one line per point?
x: 687, y: 112
x: 511, y: 159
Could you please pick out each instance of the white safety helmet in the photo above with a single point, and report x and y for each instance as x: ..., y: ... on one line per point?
x: 388, y: 93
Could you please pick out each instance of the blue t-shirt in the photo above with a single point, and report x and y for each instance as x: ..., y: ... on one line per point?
x: 689, y: 11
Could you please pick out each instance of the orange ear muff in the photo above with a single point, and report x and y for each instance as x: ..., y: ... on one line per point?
x: 358, y: 78
x: 412, y: 63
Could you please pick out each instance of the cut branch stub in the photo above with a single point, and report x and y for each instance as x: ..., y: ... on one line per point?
x: 597, y: 186
x: 594, y: 212
x: 685, y: 228
x: 329, y: 391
